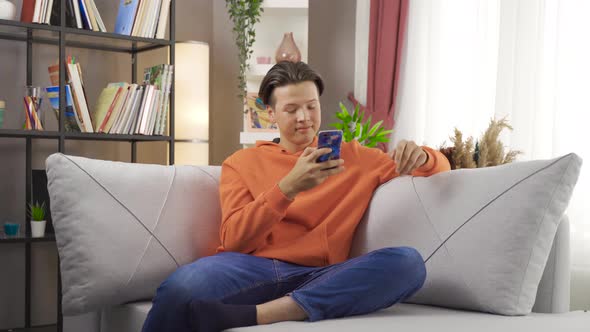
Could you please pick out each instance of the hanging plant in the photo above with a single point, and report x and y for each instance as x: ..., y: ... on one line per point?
x: 244, y: 14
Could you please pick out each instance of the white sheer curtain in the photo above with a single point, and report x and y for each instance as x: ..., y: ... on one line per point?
x: 467, y: 61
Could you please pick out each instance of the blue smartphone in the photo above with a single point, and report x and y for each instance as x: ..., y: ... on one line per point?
x: 329, y: 139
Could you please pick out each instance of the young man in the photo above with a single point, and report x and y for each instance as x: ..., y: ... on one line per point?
x: 288, y: 223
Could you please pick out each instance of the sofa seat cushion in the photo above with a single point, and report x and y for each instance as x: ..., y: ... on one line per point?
x: 400, y: 317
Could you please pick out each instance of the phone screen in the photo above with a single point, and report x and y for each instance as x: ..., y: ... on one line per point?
x: 330, y: 139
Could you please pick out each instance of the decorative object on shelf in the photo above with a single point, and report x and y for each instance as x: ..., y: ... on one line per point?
x: 244, y: 15
x: 37, y: 215
x: 263, y: 60
x: 288, y: 50
x: 7, y: 10
x: 488, y: 151
x: 256, y: 117
x: 2, y: 109
x: 353, y: 128
x: 34, y: 117
x: 11, y: 229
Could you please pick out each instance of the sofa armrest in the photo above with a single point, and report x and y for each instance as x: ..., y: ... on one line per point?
x: 553, y: 294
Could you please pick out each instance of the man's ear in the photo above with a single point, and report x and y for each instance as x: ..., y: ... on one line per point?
x: 271, y: 114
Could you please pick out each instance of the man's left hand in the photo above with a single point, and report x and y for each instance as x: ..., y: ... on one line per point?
x: 408, y: 156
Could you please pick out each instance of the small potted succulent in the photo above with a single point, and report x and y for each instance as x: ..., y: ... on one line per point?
x: 37, y: 215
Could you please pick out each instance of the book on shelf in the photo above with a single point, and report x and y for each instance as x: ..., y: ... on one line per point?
x: 76, y: 81
x: 72, y: 123
x: 121, y: 108
x: 81, y: 14
x: 143, y: 18
x: 161, y: 77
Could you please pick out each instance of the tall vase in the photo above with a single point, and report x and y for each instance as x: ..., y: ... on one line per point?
x: 288, y: 51
x: 7, y: 10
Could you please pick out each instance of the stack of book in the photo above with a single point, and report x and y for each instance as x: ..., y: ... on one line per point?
x: 122, y: 108
x: 81, y: 14
x: 143, y: 18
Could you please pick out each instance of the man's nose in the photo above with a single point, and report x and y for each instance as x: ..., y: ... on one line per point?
x: 302, y: 115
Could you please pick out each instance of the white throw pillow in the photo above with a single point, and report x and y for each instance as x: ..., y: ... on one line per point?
x: 485, y: 234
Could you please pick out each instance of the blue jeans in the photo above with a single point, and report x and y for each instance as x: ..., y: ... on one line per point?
x: 357, y: 286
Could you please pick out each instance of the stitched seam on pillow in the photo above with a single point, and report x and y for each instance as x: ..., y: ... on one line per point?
x: 426, y: 214
x: 208, y: 174
x: 479, y: 302
x: 490, y: 202
x: 155, y: 226
x: 539, y: 228
x: 485, y: 307
x: 123, y: 205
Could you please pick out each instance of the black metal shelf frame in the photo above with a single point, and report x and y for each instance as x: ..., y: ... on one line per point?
x: 63, y: 37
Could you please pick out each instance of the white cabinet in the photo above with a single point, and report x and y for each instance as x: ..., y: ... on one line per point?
x: 278, y: 18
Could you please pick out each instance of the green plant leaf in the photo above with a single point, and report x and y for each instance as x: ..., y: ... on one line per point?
x: 341, y: 117
x: 383, y: 133
x: 358, y: 131
x: 336, y: 125
x: 344, y: 110
x: 375, y: 127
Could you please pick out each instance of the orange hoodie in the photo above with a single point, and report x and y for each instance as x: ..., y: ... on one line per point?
x: 317, y: 227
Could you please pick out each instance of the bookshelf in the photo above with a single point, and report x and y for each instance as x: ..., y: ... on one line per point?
x: 63, y: 37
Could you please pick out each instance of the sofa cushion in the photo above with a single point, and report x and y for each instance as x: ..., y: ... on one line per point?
x: 485, y: 234
x: 400, y: 317
x: 122, y: 228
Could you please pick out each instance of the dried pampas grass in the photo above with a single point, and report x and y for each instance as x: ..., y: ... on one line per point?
x: 488, y: 151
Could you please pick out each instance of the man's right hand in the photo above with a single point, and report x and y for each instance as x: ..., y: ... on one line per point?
x: 308, y: 173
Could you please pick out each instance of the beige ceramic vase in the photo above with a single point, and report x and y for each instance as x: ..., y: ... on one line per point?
x: 288, y: 51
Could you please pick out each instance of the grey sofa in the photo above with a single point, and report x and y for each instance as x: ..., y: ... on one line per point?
x: 550, y: 313
x: 99, y: 297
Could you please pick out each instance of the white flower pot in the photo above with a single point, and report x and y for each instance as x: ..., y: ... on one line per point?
x: 7, y: 10
x: 38, y: 228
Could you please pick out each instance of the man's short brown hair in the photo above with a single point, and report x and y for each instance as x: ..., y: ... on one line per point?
x: 285, y: 73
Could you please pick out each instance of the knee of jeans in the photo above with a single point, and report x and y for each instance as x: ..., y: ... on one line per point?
x: 180, y: 287
x: 405, y: 261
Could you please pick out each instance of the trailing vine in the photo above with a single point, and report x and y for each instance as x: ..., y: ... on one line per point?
x: 244, y: 14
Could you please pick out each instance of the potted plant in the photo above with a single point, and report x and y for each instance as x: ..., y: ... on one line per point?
x: 353, y: 128
x: 37, y: 215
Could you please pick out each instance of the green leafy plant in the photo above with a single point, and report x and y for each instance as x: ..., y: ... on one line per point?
x: 37, y: 211
x: 244, y: 14
x: 353, y: 127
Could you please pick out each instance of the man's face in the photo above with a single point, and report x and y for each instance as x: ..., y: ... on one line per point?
x: 297, y: 113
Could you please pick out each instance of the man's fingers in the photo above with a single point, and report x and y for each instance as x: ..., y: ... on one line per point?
x: 413, y: 161
x: 330, y: 164
x: 399, y: 152
x: 332, y: 171
x: 319, y: 152
x: 308, y: 151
